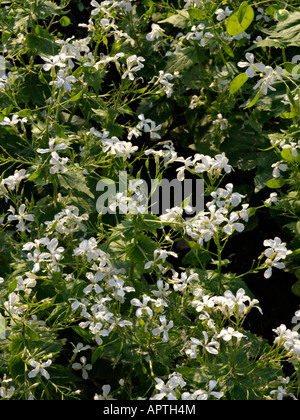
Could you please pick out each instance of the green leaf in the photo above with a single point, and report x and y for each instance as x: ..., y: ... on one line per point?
x: 25, y: 113
x: 65, y: 21
x: 254, y: 100
x: 237, y: 83
x: 180, y: 20
x: 287, y: 155
x: 197, y: 14
x: 41, y: 42
x: 240, y: 20
x: 33, y: 335
x: 75, y: 98
x: 2, y: 328
x: 276, y: 183
x: 227, y: 49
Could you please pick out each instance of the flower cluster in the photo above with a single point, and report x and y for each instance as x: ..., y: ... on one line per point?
x: 105, y: 286
x: 173, y: 389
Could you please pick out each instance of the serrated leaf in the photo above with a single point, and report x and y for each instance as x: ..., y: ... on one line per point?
x: 296, y: 288
x: 74, y: 180
x: 286, y: 33
x: 288, y: 115
x: 75, y: 98
x: 227, y: 49
x: 180, y: 20
x: 237, y: 83
x: 181, y: 60
x: 254, y: 100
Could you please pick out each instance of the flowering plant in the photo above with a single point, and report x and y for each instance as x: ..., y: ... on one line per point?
x: 126, y: 304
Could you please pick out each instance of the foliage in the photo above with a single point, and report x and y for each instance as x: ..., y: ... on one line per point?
x: 102, y: 304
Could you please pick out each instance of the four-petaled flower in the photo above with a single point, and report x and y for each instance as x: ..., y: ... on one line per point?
x: 39, y: 368
x: 252, y: 67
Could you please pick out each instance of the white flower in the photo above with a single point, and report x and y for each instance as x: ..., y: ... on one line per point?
x: 277, y: 251
x: 21, y: 217
x: 164, y: 80
x: 155, y: 33
x: 212, y: 346
x: 63, y: 80
x: 222, y: 14
x: 214, y: 166
x: 277, y: 247
x: 96, y: 9
x: 39, y: 368
x: 11, y: 305
x: 26, y: 284
x: 134, y: 64
x: 89, y: 249
x: 233, y: 225
x: 262, y: 15
x: 267, y: 81
x: 180, y: 283
x: 168, y: 390
x: 198, y: 34
x: 235, y: 304
x: 159, y: 254
x: 80, y: 347
x: 13, y: 121
x: 163, y: 289
x: 228, y: 333
x: 288, y: 339
x: 118, y: 148
x: 14, y: 180
x: 6, y: 393
x: 120, y: 201
x: 143, y: 306
x: 148, y: 126
x: 203, y: 395
x: 53, y: 61
x: 277, y: 167
x: 252, y: 67
x: 271, y: 199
